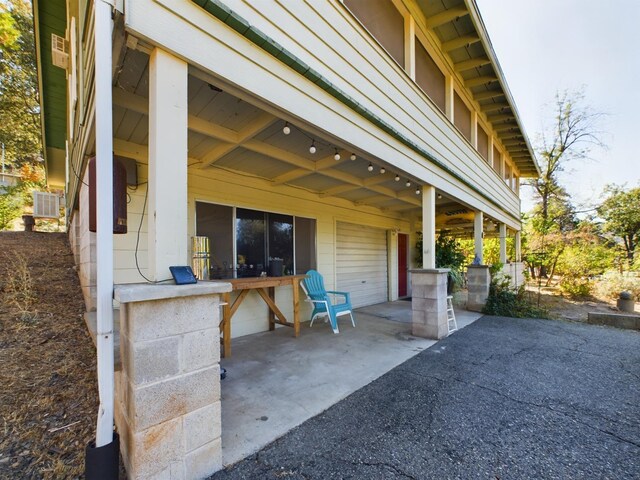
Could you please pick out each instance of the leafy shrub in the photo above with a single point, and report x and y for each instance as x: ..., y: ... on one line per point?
x: 449, y: 254
x: 10, y: 207
x: 575, y: 287
x: 505, y: 301
x: 612, y: 283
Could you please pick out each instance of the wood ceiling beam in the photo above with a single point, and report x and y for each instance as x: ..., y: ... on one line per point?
x: 494, y: 107
x: 500, y: 118
x: 333, y: 191
x: 216, y: 153
x: 506, y: 128
x: 446, y: 17
x: 488, y: 94
x: 471, y: 64
x: 278, y: 154
x: 212, y: 130
x: 259, y: 124
x: 140, y: 105
x: 484, y: 80
x: 291, y: 175
x: 374, y: 199
x: 460, y: 42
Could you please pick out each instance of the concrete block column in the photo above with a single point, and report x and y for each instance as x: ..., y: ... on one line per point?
x: 478, y: 281
x: 167, y: 396
x: 429, y: 303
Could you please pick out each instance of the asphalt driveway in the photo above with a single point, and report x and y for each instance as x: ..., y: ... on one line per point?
x: 502, y: 398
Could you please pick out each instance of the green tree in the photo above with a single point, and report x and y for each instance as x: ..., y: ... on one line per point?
x: 569, y: 139
x: 10, y: 206
x: 19, y: 105
x: 621, y: 214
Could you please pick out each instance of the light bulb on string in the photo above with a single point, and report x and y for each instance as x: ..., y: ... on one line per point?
x: 408, y: 184
x: 353, y: 157
x: 383, y: 170
x: 312, y: 148
x: 370, y: 168
x: 336, y: 157
x: 397, y: 178
x: 417, y: 190
x: 286, y: 130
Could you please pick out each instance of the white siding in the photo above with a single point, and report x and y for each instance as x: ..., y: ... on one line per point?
x: 361, y: 263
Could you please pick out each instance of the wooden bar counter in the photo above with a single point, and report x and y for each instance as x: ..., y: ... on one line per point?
x: 265, y: 286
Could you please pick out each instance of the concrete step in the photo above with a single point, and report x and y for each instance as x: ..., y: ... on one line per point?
x: 91, y: 320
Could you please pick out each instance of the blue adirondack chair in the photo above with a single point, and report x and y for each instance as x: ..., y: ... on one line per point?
x: 325, y: 302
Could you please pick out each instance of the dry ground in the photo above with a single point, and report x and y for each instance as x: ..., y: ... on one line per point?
x: 575, y: 310
x: 48, y: 389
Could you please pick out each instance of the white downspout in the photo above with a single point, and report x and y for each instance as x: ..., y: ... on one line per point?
x: 104, y: 214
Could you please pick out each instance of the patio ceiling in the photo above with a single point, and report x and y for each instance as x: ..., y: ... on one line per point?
x: 459, y: 27
x: 228, y: 133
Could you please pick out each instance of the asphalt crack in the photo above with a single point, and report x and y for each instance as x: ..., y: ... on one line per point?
x: 539, y: 405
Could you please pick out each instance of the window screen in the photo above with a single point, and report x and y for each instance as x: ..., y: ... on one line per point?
x: 461, y: 116
x: 429, y: 77
x: 384, y: 22
x: 483, y: 143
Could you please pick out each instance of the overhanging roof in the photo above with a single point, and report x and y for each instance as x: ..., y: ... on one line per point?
x: 461, y: 31
x: 50, y: 17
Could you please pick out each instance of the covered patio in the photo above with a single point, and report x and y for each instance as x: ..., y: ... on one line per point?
x: 275, y: 382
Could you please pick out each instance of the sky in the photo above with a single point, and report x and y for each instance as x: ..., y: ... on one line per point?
x: 546, y: 46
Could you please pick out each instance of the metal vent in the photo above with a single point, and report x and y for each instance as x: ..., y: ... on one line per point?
x: 46, y: 205
x: 59, y: 52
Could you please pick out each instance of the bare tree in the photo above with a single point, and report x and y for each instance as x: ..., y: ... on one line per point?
x: 572, y: 135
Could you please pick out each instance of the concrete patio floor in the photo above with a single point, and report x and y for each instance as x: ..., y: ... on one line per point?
x: 276, y: 382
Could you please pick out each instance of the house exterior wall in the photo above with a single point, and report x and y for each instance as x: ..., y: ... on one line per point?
x: 328, y: 38
x: 86, y: 242
x: 240, y: 191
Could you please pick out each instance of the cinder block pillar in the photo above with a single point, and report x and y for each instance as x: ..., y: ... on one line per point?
x: 478, y: 280
x: 429, y: 303
x: 167, y: 407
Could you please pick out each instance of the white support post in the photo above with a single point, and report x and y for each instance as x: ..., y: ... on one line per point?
x: 104, y: 216
x: 503, y: 243
x: 478, y: 234
x: 449, y: 97
x: 428, y: 227
x: 474, y: 129
x: 168, y: 113
x: 410, y: 46
x: 518, y: 247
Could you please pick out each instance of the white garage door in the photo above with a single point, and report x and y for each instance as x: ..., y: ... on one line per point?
x: 362, y: 263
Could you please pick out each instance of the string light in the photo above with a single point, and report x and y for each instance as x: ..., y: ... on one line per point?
x: 336, y: 157
x: 353, y: 157
x: 312, y: 148
x: 286, y: 130
x: 397, y: 178
x: 370, y: 168
x: 383, y: 170
x: 439, y: 196
x: 408, y: 184
x: 418, y: 191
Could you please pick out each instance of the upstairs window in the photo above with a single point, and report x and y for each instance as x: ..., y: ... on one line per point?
x: 429, y: 77
x: 496, y: 159
x: 461, y: 116
x: 383, y: 20
x: 483, y: 143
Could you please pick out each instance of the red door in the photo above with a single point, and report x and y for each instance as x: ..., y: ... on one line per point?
x: 402, y: 264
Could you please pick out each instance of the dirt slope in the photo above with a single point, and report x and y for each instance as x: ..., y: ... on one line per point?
x: 48, y: 389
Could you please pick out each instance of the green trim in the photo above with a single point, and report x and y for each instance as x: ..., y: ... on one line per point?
x: 260, y: 39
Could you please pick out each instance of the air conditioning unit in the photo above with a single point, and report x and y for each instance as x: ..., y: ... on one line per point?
x: 59, y: 51
x: 46, y: 205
